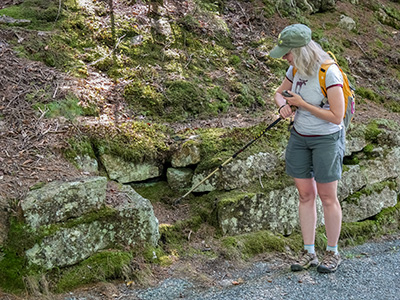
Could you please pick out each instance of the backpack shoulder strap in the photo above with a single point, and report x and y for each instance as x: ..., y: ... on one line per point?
x: 322, y: 73
x: 294, y: 71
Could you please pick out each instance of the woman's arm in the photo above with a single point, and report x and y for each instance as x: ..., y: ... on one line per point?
x: 280, y: 100
x: 335, y: 112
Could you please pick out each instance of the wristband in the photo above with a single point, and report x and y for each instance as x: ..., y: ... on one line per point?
x: 279, y: 109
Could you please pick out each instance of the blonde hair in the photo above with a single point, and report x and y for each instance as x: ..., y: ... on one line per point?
x: 309, y: 58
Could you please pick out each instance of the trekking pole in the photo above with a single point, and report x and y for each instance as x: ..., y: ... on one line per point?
x: 230, y: 159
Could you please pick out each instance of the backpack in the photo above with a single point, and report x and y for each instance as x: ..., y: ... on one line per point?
x: 348, y: 90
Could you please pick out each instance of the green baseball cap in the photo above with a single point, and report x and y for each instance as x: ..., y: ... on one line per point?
x: 293, y: 36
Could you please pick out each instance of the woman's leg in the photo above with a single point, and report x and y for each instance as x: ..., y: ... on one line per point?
x: 332, y: 211
x: 307, y: 208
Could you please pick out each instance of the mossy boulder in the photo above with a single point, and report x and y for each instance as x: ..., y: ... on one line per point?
x: 238, y: 173
x: 276, y: 211
x: 124, y: 171
x: 179, y: 178
x: 59, y: 201
x: 87, y: 163
x: 79, y: 223
x: 365, y: 205
x: 187, y: 154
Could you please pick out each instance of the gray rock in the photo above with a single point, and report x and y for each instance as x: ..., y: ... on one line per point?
x: 128, y: 222
x: 69, y: 246
x: 9, y: 20
x: 352, y: 181
x: 87, y: 164
x: 58, y: 201
x: 382, y: 168
x: 276, y: 211
x: 306, y: 6
x: 188, y: 154
x: 347, y: 23
x: 135, y: 222
x: 368, y: 205
x: 125, y: 172
x: 238, y: 173
x: 179, y: 178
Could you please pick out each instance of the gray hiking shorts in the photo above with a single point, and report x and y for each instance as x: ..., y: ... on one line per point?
x: 319, y: 157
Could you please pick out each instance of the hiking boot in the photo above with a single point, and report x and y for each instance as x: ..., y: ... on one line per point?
x: 305, y: 261
x: 330, y: 262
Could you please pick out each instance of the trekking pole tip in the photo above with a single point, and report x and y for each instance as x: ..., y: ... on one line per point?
x: 177, y: 201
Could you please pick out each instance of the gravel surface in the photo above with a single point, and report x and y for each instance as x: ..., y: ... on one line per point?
x: 369, y: 271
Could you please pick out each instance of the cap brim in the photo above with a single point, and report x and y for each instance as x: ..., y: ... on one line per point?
x: 279, y: 51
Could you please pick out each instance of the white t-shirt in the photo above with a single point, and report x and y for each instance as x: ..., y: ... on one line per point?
x: 309, y: 89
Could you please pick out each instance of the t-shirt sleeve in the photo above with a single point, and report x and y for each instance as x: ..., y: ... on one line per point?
x: 289, y: 74
x: 333, y: 77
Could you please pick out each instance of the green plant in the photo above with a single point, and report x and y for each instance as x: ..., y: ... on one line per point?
x: 369, y: 94
x: 69, y: 108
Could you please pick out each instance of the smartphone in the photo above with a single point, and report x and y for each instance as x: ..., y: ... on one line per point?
x: 286, y: 94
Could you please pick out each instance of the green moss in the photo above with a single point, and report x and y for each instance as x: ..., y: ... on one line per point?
x: 351, y: 160
x: 372, y: 132
x: 234, y: 60
x: 219, y: 144
x: 246, y: 246
x: 186, y: 98
x: 156, y: 255
x: 232, y: 197
x: 370, y: 94
x: 269, y: 8
x: 376, y: 127
x: 78, y: 146
x: 102, y: 266
x: 103, y: 214
x: 156, y: 192
x: 131, y: 141
x: 41, y: 13
x: 393, y: 16
x: 393, y: 106
x: 212, y: 5
x: 37, y: 186
x: 357, y: 232
x: 14, y: 265
x: 276, y: 179
x: 68, y: 108
x: 218, y: 100
x: 368, y: 149
x: 145, y: 97
x: 13, y: 271
x: 386, y: 222
x: 174, y: 238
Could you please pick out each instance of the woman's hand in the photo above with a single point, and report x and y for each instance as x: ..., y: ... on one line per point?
x: 285, y: 111
x: 295, y: 99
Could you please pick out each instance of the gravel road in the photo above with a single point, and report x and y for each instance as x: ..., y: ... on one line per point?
x: 369, y: 271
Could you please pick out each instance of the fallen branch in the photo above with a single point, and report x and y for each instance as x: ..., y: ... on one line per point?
x: 359, y: 46
x: 111, y: 53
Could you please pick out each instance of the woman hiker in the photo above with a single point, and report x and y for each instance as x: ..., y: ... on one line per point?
x: 315, y: 151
